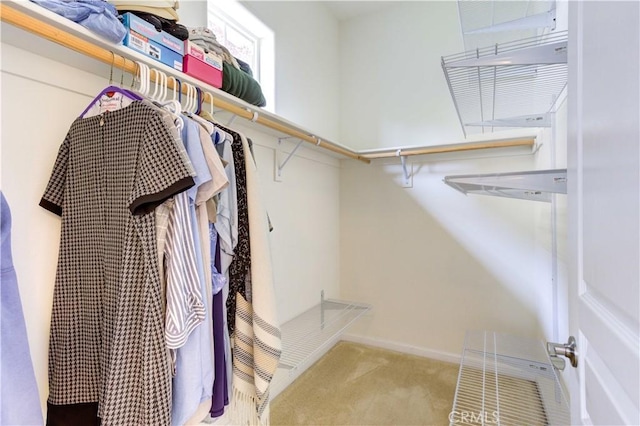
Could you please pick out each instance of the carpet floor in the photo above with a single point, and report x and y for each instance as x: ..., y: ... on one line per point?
x: 354, y: 384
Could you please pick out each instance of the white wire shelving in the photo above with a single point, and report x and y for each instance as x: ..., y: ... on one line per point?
x: 505, y: 380
x: 310, y: 332
x: 536, y: 185
x: 508, y: 85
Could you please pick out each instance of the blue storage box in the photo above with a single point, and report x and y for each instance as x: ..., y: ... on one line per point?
x: 159, y: 45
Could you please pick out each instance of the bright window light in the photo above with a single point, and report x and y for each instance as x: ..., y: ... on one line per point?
x: 248, y: 39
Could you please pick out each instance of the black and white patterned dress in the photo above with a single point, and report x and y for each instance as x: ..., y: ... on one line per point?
x: 107, y: 329
x: 239, y: 270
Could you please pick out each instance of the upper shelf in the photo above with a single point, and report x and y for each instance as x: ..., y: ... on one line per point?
x: 514, y: 84
x: 34, y: 19
x: 537, y: 185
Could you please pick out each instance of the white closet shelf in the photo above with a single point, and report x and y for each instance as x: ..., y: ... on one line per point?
x: 506, y: 379
x: 34, y: 19
x: 310, y: 332
x: 513, y: 84
x: 537, y: 185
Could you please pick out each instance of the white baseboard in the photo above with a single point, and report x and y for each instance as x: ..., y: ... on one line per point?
x: 404, y: 348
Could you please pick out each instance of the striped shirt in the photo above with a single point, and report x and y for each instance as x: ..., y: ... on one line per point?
x: 185, y: 307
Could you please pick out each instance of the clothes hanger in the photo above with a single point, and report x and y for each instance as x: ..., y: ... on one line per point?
x: 211, y: 113
x: 217, y: 134
x: 210, y: 128
x: 145, y: 79
x: 110, y: 91
x: 186, y: 98
x: 133, y: 94
x: 161, y: 80
x: 172, y: 105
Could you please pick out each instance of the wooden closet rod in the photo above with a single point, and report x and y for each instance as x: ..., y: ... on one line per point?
x: 441, y: 149
x: 56, y: 35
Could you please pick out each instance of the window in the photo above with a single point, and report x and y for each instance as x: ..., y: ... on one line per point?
x: 248, y: 39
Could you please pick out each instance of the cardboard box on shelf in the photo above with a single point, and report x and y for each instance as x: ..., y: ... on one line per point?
x: 205, y: 66
x: 159, y: 45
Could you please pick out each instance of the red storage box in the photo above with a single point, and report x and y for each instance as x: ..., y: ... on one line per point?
x: 205, y: 66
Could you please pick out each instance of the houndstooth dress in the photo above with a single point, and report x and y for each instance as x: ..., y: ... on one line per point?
x: 107, y: 328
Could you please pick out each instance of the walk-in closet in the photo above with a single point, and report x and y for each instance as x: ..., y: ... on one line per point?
x: 320, y: 212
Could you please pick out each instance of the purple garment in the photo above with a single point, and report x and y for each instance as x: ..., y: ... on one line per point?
x: 218, y: 280
x: 19, y: 398
x: 220, y: 392
x: 96, y: 15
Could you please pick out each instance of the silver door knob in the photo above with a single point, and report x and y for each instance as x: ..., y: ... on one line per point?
x: 565, y: 349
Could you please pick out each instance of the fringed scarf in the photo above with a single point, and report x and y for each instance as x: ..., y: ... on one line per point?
x: 257, y: 343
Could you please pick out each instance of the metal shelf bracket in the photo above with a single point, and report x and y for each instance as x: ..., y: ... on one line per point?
x: 280, y: 166
x: 407, y: 173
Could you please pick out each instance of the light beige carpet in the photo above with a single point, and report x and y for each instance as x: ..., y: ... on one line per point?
x: 355, y: 384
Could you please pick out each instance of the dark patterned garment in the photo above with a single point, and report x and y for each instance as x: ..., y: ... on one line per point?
x: 239, y: 269
x: 107, y: 327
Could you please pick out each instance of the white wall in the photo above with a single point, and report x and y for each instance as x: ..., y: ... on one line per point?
x: 434, y: 262
x: 193, y: 13
x: 392, y: 88
x: 307, y: 63
x: 29, y: 147
x: 304, y: 210
x: 41, y: 98
x: 436, y: 258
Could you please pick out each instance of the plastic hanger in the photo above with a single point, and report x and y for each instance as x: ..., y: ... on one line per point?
x: 211, y: 110
x: 207, y: 125
x: 145, y: 75
x: 171, y: 105
x: 110, y: 91
x: 211, y: 118
x: 186, y: 98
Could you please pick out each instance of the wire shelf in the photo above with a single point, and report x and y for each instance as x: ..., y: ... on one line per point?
x: 536, y: 185
x: 308, y: 333
x: 506, y: 379
x: 513, y: 84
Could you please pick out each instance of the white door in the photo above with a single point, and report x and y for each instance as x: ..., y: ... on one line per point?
x: 603, y: 210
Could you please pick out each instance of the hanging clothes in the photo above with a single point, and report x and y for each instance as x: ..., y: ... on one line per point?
x: 226, y: 226
x: 239, y: 268
x: 193, y: 381
x: 257, y: 339
x: 220, y: 397
x: 19, y: 398
x: 107, y: 343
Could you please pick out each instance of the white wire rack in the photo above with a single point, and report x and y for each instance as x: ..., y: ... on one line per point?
x: 506, y: 380
x: 308, y: 333
x: 513, y: 84
x: 536, y: 185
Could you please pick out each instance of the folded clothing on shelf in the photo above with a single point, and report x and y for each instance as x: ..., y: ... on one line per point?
x: 95, y: 15
x: 241, y: 85
x: 245, y: 67
x: 235, y: 80
x: 163, y: 8
x: 205, y: 38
